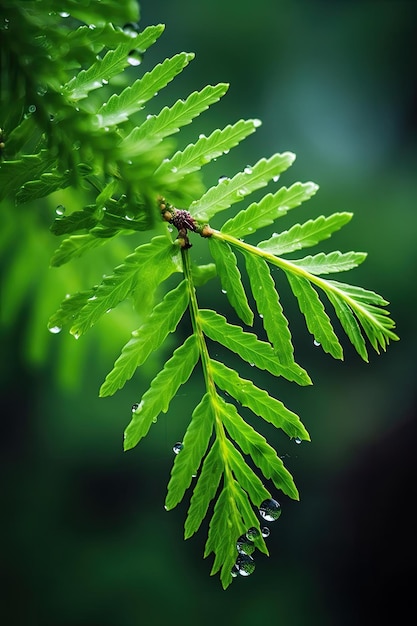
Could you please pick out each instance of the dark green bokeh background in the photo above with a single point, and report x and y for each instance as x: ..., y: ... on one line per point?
x: 86, y: 540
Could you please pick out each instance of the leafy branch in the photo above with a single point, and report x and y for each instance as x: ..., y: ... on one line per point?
x: 91, y: 131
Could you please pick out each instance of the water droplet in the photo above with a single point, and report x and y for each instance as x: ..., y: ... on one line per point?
x: 64, y: 14
x: 129, y: 216
x: 222, y: 179
x: 55, y: 329
x: 316, y: 343
x: 276, y: 178
x: 92, y: 26
x: 32, y: 108
x: 135, y: 407
x: 245, y: 565
x: 270, y: 510
x: 154, y: 420
x: 134, y: 58
x: 252, y: 364
x: 248, y: 169
x: 261, y: 316
x: 234, y: 572
x: 177, y: 447
x: 252, y: 533
x: 60, y: 210
x: 149, y: 117
x: 265, y: 532
x: 257, y: 123
x: 245, y: 545
x: 202, y: 136
x: 174, y: 169
x: 241, y: 193
x: 41, y: 90
x: 224, y: 290
x: 104, y: 81
x: 131, y: 29
x: 226, y: 151
x: 298, y: 440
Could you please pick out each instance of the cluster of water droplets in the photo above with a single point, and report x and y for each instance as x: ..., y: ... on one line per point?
x: 270, y: 511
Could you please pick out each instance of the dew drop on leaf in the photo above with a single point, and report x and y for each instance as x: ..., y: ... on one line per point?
x: 177, y: 447
x: 55, y: 329
x: 245, y: 565
x: 60, y: 210
x: 32, y: 108
x: 135, y: 407
x: 276, y: 178
x: 297, y: 440
x: 234, y: 571
x: 265, y: 532
x: 248, y: 169
x: 245, y: 545
x: 131, y: 29
x: 316, y: 343
x: 222, y: 179
x: 252, y: 533
x: 64, y: 14
x: 270, y: 510
x: 134, y: 58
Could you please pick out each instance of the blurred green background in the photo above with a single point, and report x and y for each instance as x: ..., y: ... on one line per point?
x: 86, y: 539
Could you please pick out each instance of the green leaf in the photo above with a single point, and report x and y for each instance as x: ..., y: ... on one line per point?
x: 269, y: 308
x: 225, y: 527
x: 163, y: 388
x: 229, y: 191
x: 162, y: 321
x: 207, y: 148
x: 187, y: 462
x: 121, y: 106
x: 258, y: 401
x: 48, y: 183
x: 110, y: 65
x: 248, y: 347
x: 230, y: 278
x: 14, y: 174
x: 74, y: 247
x: 366, y: 304
x: 305, y: 235
x: 246, y: 477
x: 253, y: 444
x: 271, y: 207
x: 148, y: 265
x: 204, y: 491
x: 318, y: 322
x: 170, y: 120
x: 330, y: 263
x: 349, y: 323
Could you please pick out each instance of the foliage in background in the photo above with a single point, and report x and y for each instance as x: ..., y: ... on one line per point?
x: 61, y: 129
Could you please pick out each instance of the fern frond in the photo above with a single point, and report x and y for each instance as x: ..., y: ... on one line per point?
x: 165, y: 385
x: 110, y: 65
x: 170, y: 120
x: 330, y: 263
x: 120, y: 107
x: 162, y: 321
x: 207, y: 148
x: 249, y: 347
x: 305, y: 235
x: 230, y: 278
x: 230, y: 191
x: 271, y: 207
x: 150, y: 264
